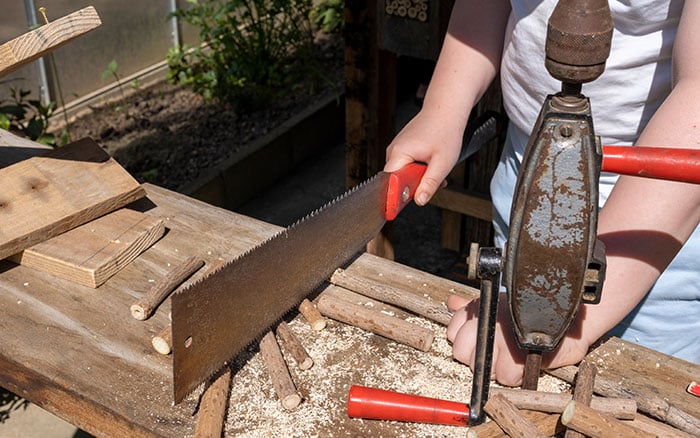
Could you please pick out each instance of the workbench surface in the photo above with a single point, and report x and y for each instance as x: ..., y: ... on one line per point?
x: 78, y: 353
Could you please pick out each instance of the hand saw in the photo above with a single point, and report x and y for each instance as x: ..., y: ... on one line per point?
x: 217, y: 317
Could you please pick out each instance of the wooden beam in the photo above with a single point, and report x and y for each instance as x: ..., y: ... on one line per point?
x: 38, y: 42
x: 462, y: 201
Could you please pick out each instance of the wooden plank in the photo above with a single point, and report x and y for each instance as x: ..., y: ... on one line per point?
x: 104, y: 375
x: 35, y: 44
x: 14, y: 148
x: 91, y: 253
x: 45, y: 196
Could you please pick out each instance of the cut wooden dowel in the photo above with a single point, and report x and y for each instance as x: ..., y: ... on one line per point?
x: 278, y: 372
x: 42, y: 40
x: 292, y: 344
x: 145, y: 307
x: 655, y: 407
x: 661, y: 430
x: 583, y: 391
x: 213, y: 407
x: 592, y: 423
x: 163, y: 341
x: 554, y: 402
x: 312, y: 315
x: 510, y: 418
x: 433, y: 310
x: 332, y: 306
x: 547, y: 423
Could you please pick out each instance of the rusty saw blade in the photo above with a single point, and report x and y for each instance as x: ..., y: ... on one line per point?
x: 217, y: 317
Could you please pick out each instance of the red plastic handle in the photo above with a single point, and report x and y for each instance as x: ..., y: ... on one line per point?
x: 379, y: 404
x: 653, y: 162
x: 402, y: 187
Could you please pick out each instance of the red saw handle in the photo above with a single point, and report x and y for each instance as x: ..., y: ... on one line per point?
x: 402, y: 186
x: 653, y: 162
x: 379, y: 404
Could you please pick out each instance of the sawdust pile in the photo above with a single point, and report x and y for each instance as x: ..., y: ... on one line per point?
x: 345, y: 356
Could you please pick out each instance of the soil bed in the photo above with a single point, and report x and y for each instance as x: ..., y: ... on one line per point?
x: 169, y: 136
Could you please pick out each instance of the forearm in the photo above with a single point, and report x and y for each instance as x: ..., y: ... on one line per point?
x: 645, y: 222
x: 469, y: 59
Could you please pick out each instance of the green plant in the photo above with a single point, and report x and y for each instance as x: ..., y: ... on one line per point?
x: 328, y: 16
x: 253, y: 49
x: 27, y: 117
x: 111, y: 70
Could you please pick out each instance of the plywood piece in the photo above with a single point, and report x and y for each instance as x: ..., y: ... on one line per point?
x: 32, y: 45
x: 91, y: 253
x: 45, y: 196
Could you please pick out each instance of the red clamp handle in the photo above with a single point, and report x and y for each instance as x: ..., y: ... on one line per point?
x: 402, y: 187
x: 379, y: 404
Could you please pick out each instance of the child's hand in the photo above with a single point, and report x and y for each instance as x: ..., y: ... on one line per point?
x: 508, y: 359
x: 428, y: 140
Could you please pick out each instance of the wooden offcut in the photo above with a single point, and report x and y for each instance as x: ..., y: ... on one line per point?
x: 592, y: 423
x: 213, y: 405
x: 511, y: 420
x: 149, y: 302
x: 334, y: 304
x: 435, y: 311
x: 278, y: 372
x: 91, y: 253
x: 38, y: 42
x: 47, y: 195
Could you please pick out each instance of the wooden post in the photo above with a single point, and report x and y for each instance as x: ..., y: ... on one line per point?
x: 370, y: 103
x: 278, y: 372
x: 144, y: 308
x: 595, y: 424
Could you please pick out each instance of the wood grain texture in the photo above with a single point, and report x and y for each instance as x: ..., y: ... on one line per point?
x: 331, y: 303
x: 91, y: 253
x: 510, y: 418
x: 38, y: 42
x: 45, y: 196
x: 77, y: 352
x: 654, y: 380
x: 420, y: 305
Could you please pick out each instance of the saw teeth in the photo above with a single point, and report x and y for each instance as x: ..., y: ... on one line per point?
x: 280, y: 233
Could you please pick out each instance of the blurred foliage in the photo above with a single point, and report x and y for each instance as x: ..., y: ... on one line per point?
x: 328, y: 15
x: 253, y: 51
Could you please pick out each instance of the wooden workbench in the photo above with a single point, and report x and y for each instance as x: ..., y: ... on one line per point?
x: 78, y: 353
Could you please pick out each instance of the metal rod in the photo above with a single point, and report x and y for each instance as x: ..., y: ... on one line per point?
x: 489, y: 270
x: 531, y: 375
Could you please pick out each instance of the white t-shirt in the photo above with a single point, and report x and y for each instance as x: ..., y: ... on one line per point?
x: 636, y: 81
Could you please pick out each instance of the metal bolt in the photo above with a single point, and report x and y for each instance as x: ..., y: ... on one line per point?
x: 566, y: 130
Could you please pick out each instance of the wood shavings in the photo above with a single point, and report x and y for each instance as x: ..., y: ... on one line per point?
x: 345, y: 356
